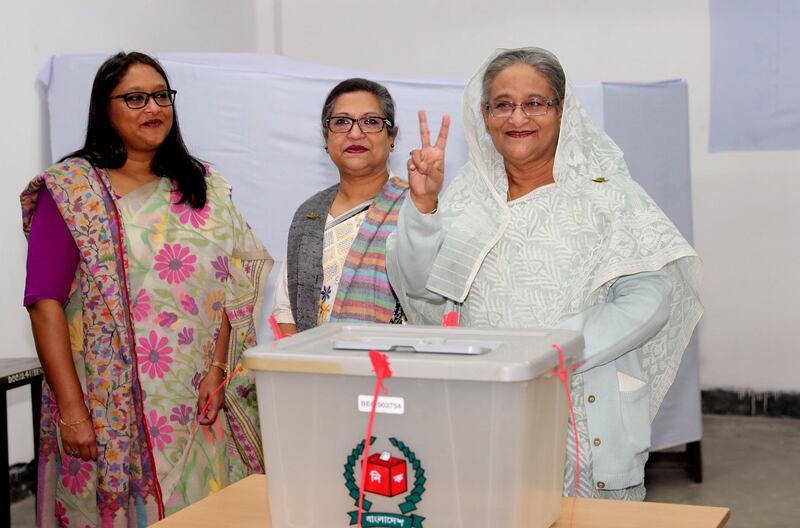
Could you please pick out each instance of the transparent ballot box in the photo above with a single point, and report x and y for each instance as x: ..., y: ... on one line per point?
x: 471, y: 432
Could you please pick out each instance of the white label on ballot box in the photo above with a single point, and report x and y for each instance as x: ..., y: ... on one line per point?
x: 385, y: 405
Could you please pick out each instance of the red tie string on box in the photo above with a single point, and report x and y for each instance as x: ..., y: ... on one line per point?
x: 213, y: 394
x: 562, y: 372
x: 276, y: 331
x: 380, y: 365
x: 450, y: 319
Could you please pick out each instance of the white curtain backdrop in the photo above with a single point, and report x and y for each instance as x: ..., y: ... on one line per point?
x: 257, y: 119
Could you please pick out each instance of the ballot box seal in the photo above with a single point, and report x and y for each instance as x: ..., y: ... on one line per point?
x: 387, y: 477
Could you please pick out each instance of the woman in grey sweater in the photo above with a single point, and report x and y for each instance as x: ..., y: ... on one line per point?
x: 335, y: 265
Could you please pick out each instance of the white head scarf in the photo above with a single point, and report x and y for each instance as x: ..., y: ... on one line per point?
x: 629, y: 232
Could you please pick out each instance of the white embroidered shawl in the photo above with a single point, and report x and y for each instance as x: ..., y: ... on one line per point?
x: 603, y: 223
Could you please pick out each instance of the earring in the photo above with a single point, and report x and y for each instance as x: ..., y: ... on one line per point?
x: 326, y: 148
x: 391, y: 147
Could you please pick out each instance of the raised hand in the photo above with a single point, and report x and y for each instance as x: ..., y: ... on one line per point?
x: 426, y: 165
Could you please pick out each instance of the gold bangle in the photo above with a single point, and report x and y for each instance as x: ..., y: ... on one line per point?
x: 77, y: 422
x: 220, y: 365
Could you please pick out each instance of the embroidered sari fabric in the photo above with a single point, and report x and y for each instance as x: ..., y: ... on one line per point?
x: 154, y: 280
x: 348, y: 252
x: 594, y: 224
x: 365, y: 294
x: 337, y: 240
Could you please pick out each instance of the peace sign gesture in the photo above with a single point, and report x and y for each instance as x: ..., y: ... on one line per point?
x: 426, y: 165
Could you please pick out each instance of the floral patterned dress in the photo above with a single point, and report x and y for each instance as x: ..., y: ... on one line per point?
x: 181, y: 270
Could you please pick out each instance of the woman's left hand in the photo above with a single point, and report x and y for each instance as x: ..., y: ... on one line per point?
x: 213, y: 379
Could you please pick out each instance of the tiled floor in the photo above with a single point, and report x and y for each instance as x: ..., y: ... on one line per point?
x: 751, y: 465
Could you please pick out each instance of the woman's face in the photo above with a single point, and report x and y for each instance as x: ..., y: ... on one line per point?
x: 143, y: 129
x: 355, y: 152
x: 519, y: 138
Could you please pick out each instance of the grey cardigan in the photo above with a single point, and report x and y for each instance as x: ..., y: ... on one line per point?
x: 304, y: 257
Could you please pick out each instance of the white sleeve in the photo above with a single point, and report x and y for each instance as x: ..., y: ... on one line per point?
x: 282, y: 307
x: 411, y: 251
x: 637, y: 308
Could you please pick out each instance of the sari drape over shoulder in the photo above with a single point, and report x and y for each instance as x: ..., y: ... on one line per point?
x: 154, y: 279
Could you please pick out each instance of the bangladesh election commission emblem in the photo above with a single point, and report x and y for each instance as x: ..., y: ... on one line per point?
x: 387, y: 476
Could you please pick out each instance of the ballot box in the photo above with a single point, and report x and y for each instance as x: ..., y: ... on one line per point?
x: 470, y: 432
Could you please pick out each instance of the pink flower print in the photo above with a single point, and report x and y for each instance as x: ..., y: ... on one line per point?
x: 196, y: 380
x: 159, y: 430
x: 141, y: 305
x: 174, y: 263
x: 166, y: 319
x: 154, y: 355
x: 223, y: 271
x: 186, y: 336
x: 187, y: 214
x: 182, y: 414
x: 189, y: 304
x: 75, y: 473
x: 243, y: 391
x: 61, y: 515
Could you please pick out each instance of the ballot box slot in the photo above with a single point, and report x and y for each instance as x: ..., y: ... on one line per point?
x: 432, y: 345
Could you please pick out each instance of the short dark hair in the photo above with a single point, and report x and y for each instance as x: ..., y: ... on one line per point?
x: 104, y: 148
x: 360, y: 85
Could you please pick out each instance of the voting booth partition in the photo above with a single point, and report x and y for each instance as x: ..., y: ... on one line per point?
x: 256, y: 118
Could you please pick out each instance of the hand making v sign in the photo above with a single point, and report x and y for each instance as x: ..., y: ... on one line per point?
x: 426, y: 165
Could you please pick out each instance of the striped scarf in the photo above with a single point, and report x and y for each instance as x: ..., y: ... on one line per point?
x: 364, y: 293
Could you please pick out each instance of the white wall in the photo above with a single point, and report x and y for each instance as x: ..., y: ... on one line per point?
x: 745, y: 204
x: 30, y: 32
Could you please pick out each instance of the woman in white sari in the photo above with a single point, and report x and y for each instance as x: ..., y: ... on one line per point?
x: 544, y: 227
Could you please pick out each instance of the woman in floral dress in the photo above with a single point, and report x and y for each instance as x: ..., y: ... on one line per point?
x: 143, y: 283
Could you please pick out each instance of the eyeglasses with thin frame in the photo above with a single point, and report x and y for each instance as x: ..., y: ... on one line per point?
x: 138, y: 100
x: 367, y: 124
x: 531, y: 108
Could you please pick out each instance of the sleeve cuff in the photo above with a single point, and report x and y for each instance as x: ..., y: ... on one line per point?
x: 419, y: 224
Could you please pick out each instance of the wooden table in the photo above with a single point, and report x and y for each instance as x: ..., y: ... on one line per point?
x: 244, y: 505
x: 16, y: 372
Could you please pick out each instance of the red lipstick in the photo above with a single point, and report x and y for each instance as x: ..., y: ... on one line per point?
x: 356, y: 149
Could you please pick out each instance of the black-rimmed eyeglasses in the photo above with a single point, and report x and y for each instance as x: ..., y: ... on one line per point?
x: 532, y: 108
x: 137, y: 100
x: 368, y: 124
